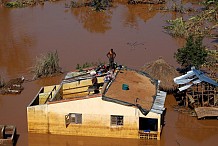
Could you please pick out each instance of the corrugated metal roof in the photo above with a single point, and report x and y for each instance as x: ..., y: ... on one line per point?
x: 158, y: 105
x: 204, y: 78
x: 185, y: 87
x: 185, y: 76
x: 193, y: 77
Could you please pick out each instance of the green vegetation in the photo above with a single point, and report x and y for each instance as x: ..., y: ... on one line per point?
x: 87, y: 65
x: 15, y: 4
x: 196, y: 25
x: 202, y: 24
x: 192, y: 54
x: 211, y: 63
x: 177, y: 27
x: 97, y: 5
x: 210, y: 3
x: 24, y: 3
x: 178, y: 8
x: 134, y: 2
x: 47, y: 65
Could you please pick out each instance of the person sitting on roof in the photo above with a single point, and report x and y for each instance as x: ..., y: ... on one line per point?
x: 95, y: 84
x: 110, y: 76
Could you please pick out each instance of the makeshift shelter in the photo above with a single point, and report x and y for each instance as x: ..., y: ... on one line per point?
x: 198, y: 91
x: 162, y: 71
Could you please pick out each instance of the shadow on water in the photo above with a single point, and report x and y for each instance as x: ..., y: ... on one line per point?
x: 16, y: 139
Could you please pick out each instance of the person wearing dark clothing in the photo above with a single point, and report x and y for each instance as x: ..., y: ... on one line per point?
x: 95, y: 84
x: 111, y: 56
x: 94, y: 81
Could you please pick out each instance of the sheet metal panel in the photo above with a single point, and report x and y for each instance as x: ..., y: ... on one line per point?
x: 204, y: 78
x: 158, y: 105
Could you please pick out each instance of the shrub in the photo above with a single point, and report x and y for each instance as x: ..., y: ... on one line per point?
x: 47, y: 65
x: 192, y: 54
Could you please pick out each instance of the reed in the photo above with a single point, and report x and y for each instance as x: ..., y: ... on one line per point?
x: 2, y: 82
x: 47, y: 65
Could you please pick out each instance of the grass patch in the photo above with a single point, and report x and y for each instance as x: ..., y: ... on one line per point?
x: 88, y: 64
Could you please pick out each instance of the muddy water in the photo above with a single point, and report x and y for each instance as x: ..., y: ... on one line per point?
x: 79, y: 36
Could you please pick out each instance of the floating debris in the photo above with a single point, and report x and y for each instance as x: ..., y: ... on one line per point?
x: 8, y: 135
x: 14, y: 86
x: 184, y: 110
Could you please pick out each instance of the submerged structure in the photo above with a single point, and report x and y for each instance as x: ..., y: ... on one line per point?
x: 199, y: 92
x: 7, y: 135
x: 128, y: 105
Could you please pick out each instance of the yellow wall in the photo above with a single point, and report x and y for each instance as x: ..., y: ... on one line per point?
x: 44, y: 96
x: 93, y: 125
x: 78, y: 88
x: 37, y: 119
x: 50, y: 88
x: 95, y: 118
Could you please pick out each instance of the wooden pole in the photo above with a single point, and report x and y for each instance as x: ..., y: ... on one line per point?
x: 208, y: 92
x: 214, y: 96
x: 202, y: 94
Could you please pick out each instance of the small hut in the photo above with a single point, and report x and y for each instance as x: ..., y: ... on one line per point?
x: 164, y: 72
x: 199, y: 92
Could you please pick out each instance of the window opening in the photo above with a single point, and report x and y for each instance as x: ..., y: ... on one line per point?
x: 116, y: 120
x: 73, y: 118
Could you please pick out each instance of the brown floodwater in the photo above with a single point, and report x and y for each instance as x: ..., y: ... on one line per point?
x: 82, y: 35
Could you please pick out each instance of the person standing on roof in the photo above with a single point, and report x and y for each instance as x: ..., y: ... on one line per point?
x: 111, y: 56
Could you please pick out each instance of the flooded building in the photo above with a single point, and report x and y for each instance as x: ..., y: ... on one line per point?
x: 129, y: 105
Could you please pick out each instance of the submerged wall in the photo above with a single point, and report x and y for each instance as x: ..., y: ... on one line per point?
x: 96, y: 118
x: 96, y: 114
x: 37, y: 118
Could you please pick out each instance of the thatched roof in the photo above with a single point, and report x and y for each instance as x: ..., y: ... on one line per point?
x: 164, y: 72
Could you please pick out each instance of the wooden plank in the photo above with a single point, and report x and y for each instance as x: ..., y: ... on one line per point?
x: 203, y: 112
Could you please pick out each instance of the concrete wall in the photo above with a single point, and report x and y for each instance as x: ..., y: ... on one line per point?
x: 95, y: 118
x: 37, y: 118
x: 96, y: 115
